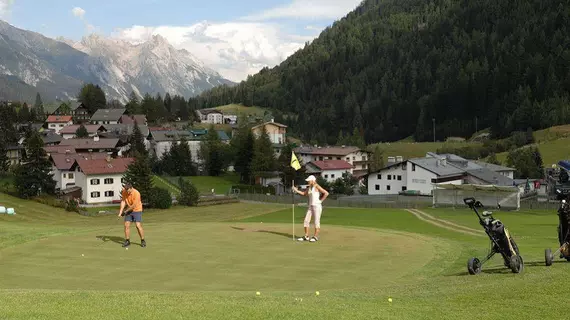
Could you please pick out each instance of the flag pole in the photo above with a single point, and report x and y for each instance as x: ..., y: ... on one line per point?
x: 293, y: 206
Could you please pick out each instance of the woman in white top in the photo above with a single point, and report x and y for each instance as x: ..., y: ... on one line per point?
x: 315, y: 209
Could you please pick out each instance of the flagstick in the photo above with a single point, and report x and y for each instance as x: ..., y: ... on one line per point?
x: 293, y: 206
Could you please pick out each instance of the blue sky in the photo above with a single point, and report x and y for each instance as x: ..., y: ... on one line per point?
x: 245, y: 35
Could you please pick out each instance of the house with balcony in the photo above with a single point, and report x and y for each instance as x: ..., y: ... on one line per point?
x: 95, y: 144
x: 62, y: 164
x: 329, y: 170
x: 359, y: 159
x: 69, y: 132
x: 212, y: 116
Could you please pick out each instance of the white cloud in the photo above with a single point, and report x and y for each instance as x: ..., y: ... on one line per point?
x: 5, y: 7
x: 78, y: 12
x: 307, y: 9
x: 234, y: 49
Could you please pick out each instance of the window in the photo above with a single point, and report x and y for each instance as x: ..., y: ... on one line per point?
x: 70, y: 175
x: 404, y: 188
x: 399, y: 178
x: 388, y: 188
x: 109, y: 181
x: 347, y: 159
x: 332, y: 176
x: 64, y: 175
x: 413, y: 167
x: 52, y: 125
x: 377, y: 187
x: 321, y: 158
x: 379, y: 177
x: 363, y: 158
x: 326, y: 176
x: 95, y: 194
x: 389, y: 177
x: 338, y: 158
x: 94, y: 182
x: 354, y: 158
x: 109, y: 193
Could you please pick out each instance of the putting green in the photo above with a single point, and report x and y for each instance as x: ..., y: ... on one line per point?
x: 217, y: 256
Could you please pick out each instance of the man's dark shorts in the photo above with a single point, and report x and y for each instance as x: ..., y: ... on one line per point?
x: 134, y: 217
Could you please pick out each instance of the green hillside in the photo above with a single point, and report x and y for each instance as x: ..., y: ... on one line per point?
x: 395, y: 68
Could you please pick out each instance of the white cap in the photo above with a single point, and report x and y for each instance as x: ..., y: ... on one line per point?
x: 311, y: 178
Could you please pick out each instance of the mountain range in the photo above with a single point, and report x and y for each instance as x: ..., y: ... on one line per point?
x: 57, y: 68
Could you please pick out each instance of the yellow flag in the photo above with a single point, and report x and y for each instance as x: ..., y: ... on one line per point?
x: 294, y: 161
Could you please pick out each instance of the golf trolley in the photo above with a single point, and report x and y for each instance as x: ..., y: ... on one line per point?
x: 563, y: 231
x: 501, y: 241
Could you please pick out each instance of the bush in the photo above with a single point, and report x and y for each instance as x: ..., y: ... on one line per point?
x: 160, y: 199
x: 189, y: 195
x: 50, y: 201
x: 72, y: 205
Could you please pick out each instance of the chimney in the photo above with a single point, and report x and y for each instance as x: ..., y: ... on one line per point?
x: 443, y: 162
x: 95, y: 138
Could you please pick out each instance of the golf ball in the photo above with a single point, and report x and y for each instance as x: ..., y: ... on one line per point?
x: 317, y: 293
x: 82, y: 255
x: 389, y: 299
x: 126, y: 248
x: 258, y: 293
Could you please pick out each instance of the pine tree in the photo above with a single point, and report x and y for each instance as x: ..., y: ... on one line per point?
x: 242, y: 144
x: 212, y: 153
x: 93, y: 97
x: 189, y: 195
x: 377, y: 159
x: 139, y: 174
x: 39, y: 105
x: 137, y: 141
x: 133, y: 106
x: 33, y: 177
x: 168, y: 103
x: 263, y: 157
x: 185, y: 165
x: 4, y: 161
x: 81, y: 132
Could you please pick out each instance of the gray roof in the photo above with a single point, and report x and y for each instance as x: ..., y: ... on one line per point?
x: 491, y: 177
x: 171, y: 135
x: 74, y: 106
x: 494, y: 167
x: 90, y: 143
x: 127, y: 129
x: 108, y: 114
x: 49, y: 138
x: 432, y: 165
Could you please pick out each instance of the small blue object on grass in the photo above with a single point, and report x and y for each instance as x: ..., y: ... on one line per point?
x: 2, y: 209
x: 10, y: 211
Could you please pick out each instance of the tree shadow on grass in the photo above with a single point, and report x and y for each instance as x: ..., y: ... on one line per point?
x: 283, y: 234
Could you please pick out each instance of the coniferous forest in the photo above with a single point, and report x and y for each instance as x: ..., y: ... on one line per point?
x: 393, y: 68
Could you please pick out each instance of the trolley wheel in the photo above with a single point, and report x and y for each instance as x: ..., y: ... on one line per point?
x: 474, y: 266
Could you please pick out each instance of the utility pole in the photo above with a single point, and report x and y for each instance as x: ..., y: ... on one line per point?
x: 433, y: 120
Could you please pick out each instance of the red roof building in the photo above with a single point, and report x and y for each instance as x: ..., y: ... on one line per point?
x: 59, y: 119
x: 330, y: 170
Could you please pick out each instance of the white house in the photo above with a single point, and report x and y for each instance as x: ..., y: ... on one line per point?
x: 62, y: 164
x: 230, y: 119
x: 69, y: 132
x: 419, y: 175
x: 330, y: 170
x: 100, y: 180
x: 210, y: 116
x: 277, y: 132
x: 56, y: 123
x: 359, y: 159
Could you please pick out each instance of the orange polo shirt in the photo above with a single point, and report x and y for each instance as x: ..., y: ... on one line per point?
x: 133, y: 199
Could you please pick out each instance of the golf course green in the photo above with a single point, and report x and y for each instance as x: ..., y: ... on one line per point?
x: 209, y: 262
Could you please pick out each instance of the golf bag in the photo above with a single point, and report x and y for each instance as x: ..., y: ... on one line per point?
x: 501, y: 241
x: 563, y: 231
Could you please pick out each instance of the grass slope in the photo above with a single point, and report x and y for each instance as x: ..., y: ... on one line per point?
x: 208, y: 262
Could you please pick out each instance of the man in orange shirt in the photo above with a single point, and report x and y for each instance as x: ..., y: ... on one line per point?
x: 131, y: 199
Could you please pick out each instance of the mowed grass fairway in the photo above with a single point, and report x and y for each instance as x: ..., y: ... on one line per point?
x: 208, y: 262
